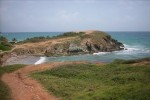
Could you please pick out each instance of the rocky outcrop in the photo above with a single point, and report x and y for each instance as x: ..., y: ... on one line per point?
x: 82, y: 43
x: 95, y: 41
x: 4, y: 56
x: 85, y: 42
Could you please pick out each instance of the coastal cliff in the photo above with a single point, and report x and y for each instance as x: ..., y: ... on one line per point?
x: 78, y: 43
x: 69, y: 43
x: 85, y: 42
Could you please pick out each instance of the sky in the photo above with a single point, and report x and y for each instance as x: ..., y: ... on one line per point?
x: 74, y: 15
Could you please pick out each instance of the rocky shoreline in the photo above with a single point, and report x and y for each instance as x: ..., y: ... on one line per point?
x: 25, y: 59
x: 88, y: 43
x: 85, y: 42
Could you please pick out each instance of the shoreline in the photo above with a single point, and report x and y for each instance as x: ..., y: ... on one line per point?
x: 24, y: 59
x: 36, y: 60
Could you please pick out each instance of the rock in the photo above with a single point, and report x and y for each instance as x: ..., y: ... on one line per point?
x: 95, y: 41
x: 4, y: 56
x: 73, y: 48
x: 85, y: 43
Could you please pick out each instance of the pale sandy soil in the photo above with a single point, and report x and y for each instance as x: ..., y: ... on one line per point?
x: 24, y: 88
x: 89, y: 31
x: 49, y: 42
x: 42, y: 44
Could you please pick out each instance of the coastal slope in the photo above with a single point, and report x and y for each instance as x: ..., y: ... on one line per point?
x: 67, y: 44
x: 78, y: 43
x: 119, y: 80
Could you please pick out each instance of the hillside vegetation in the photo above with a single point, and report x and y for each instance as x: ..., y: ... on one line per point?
x: 42, y: 38
x: 4, y: 44
x: 115, y: 81
x: 68, y: 43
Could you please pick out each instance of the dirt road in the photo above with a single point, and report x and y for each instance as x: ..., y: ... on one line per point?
x: 24, y: 88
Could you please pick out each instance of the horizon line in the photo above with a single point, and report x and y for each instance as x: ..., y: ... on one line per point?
x: 68, y: 31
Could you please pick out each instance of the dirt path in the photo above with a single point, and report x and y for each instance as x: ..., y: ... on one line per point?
x: 24, y: 88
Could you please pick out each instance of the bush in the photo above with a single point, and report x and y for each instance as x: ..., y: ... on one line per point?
x: 4, y: 47
x: 3, y: 39
x: 68, y: 34
x: 42, y: 38
x: 4, y: 44
x: 121, y: 61
x: 35, y: 39
x: 14, y: 40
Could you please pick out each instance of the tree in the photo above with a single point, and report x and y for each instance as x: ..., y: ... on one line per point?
x: 3, y: 39
x: 14, y: 40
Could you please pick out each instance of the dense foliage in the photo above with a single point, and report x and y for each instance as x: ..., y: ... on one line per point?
x: 4, y: 44
x: 122, y: 61
x: 42, y: 38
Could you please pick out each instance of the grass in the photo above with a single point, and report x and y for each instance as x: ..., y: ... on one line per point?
x: 97, y: 82
x: 4, y: 47
x: 69, y: 34
x: 121, y: 61
x: 4, y: 90
x: 4, y: 44
x: 95, y: 35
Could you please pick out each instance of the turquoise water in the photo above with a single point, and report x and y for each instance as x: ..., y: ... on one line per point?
x: 136, y: 43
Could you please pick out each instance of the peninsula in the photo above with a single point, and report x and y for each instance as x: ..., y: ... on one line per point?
x: 66, y: 44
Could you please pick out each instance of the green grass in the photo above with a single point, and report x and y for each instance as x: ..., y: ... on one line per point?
x: 97, y: 82
x: 4, y: 47
x: 121, y: 61
x: 4, y: 90
x: 68, y: 34
x: 4, y: 44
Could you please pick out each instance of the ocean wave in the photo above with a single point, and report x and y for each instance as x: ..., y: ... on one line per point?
x: 100, y: 53
x: 128, y: 49
x: 41, y: 60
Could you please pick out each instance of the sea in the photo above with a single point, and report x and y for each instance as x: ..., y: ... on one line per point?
x: 137, y: 45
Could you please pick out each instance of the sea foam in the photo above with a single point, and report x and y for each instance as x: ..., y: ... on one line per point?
x: 100, y: 53
x: 128, y: 49
x: 41, y: 60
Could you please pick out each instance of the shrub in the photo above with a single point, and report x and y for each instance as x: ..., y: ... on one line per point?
x: 4, y: 44
x: 42, y: 38
x: 121, y: 61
